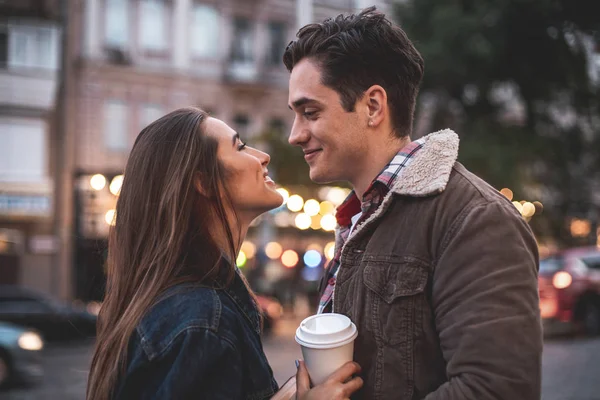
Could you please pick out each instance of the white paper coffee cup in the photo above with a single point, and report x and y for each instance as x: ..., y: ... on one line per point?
x: 327, y: 343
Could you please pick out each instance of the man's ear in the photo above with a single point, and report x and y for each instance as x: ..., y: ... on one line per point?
x: 376, y: 102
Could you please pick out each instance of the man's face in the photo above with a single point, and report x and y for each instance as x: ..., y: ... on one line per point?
x: 333, y: 140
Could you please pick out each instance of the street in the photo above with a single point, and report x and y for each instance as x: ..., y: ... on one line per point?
x: 571, y: 368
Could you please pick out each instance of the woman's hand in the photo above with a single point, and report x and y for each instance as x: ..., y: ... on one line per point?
x: 339, y: 386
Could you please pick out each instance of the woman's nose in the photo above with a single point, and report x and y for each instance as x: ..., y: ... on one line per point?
x: 263, y: 157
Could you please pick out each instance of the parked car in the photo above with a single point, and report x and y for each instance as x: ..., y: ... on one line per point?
x: 52, y: 319
x: 20, y: 359
x: 569, y: 284
x: 271, y: 310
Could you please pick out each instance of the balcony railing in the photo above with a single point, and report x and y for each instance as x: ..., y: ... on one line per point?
x: 28, y: 88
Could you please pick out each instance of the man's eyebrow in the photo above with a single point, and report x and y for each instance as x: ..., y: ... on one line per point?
x: 302, y: 101
x: 235, y: 139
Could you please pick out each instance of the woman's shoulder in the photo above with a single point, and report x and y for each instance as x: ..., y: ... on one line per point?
x: 182, y: 310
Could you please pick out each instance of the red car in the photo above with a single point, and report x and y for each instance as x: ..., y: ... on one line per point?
x: 569, y: 284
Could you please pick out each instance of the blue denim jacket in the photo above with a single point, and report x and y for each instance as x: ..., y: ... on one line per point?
x: 199, y: 343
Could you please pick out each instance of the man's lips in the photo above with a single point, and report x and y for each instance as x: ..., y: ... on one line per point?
x: 310, y: 154
x: 307, y: 152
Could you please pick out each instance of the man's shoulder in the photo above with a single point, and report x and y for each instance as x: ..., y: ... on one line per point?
x: 467, y: 193
x: 461, y: 179
x: 473, y: 190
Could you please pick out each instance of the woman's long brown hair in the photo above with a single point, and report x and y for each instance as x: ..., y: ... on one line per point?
x: 161, y: 235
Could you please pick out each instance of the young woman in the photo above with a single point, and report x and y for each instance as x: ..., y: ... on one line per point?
x: 179, y: 320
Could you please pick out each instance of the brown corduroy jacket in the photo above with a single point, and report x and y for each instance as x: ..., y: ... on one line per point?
x: 442, y: 284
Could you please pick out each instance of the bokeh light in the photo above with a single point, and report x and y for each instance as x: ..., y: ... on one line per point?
x: 241, y: 259
x: 295, y: 203
x: 98, y: 182
x: 303, y: 221
x: 329, y: 250
x: 518, y: 206
x: 562, y: 280
x: 115, y: 185
x: 273, y: 250
x: 337, y: 195
x: 110, y: 217
x: 528, y: 209
x: 315, y: 222
x: 326, y: 207
x: 328, y: 222
x: 312, y: 207
x: 312, y: 258
x: 289, y: 258
x: 580, y: 227
x: 507, y: 193
x: 249, y: 249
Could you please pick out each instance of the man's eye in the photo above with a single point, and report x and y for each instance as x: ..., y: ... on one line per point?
x: 309, y: 114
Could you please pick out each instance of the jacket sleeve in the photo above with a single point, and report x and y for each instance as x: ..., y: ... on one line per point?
x: 197, y: 364
x: 486, y: 305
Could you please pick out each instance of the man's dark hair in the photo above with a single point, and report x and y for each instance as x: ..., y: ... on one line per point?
x: 357, y: 51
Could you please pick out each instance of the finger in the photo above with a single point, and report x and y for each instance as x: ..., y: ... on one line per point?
x: 352, y: 386
x: 302, y: 380
x: 344, y: 372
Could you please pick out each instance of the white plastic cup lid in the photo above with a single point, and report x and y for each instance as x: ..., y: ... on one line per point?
x: 325, y: 331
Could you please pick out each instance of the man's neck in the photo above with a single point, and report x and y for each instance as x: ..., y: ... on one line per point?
x: 376, y: 160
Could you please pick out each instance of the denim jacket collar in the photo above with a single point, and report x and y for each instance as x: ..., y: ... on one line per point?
x: 238, y: 292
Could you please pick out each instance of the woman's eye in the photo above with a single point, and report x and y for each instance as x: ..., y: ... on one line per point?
x: 241, y: 146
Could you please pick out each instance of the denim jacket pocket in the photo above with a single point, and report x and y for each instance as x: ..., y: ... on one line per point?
x: 395, y: 298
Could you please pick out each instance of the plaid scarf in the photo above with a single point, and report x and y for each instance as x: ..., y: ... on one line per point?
x: 372, y: 199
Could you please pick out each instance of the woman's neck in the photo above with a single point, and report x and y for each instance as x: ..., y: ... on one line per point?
x: 238, y: 229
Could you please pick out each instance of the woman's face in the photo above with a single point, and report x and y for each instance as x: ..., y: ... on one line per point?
x: 252, y: 191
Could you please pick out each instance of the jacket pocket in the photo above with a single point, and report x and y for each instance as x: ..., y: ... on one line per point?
x: 395, y: 298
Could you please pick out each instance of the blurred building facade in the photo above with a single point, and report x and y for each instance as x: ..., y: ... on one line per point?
x: 130, y: 62
x: 30, y: 54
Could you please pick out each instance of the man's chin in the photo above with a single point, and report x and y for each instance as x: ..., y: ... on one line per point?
x: 319, y: 176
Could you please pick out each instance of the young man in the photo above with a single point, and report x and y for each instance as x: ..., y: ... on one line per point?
x: 434, y: 266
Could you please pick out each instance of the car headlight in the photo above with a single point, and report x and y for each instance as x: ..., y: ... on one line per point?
x: 30, y: 341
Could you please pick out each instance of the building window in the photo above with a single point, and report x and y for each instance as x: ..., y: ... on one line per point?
x: 153, y: 25
x: 241, y: 124
x: 243, y: 41
x: 29, y: 46
x: 277, y: 42
x: 116, y: 30
x: 116, y: 125
x: 23, y: 155
x: 149, y: 113
x: 205, y: 31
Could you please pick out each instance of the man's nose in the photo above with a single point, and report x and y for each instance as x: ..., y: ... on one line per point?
x: 299, y: 134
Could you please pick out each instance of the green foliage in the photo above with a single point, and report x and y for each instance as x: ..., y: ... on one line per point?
x: 537, y: 48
